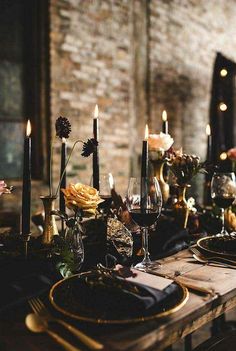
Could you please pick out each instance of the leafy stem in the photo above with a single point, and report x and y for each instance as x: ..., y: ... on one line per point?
x: 67, y: 161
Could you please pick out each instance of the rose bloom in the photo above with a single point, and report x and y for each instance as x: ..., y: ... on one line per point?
x: 232, y: 154
x: 160, y: 141
x: 82, y: 196
x: 3, y: 188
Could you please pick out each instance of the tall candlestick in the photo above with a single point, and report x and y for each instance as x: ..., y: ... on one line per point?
x: 62, y: 205
x: 164, y: 122
x: 26, y: 191
x: 209, y: 143
x: 96, y: 151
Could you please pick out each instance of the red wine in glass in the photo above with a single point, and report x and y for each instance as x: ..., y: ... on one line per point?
x: 223, y: 202
x: 106, y: 204
x: 144, y: 218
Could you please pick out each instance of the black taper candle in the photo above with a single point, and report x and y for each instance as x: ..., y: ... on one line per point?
x: 96, y: 151
x: 62, y: 205
x: 209, y: 143
x: 144, y: 171
x: 164, y: 122
x: 26, y: 191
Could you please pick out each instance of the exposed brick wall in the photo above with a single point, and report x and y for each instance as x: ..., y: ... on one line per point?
x: 134, y: 58
x: 94, y: 49
x: 91, y: 63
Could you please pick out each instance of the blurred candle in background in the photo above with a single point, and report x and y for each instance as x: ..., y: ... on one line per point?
x: 164, y: 122
x: 209, y: 143
x: 26, y: 189
x: 96, y: 153
x: 144, y: 165
x: 62, y: 205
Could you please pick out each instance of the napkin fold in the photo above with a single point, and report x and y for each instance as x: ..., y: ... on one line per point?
x: 113, y: 297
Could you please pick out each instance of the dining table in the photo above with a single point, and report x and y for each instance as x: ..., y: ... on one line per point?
x: 218, y: 295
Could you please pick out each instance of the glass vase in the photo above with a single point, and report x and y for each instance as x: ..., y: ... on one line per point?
x: 50, y: 227
x: 181, y: 210
x: 158, y: 166
x: 74, y: 243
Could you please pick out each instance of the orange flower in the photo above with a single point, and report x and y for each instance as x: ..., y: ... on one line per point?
x: 82, y: 196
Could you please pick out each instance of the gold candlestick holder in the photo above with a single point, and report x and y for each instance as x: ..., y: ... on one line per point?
x: 25, y: 239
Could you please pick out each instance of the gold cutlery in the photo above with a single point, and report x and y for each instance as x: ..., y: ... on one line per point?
x: 39, y: 309
x: 212, y: 259
x: 182, y: 280
x: 37, y: 325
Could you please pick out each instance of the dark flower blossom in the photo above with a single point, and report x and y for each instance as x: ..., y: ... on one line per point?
x: 63, y: 127
x: 89, y: 147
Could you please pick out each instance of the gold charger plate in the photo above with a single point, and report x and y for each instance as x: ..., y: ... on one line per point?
x: 65, y: 298
x: 207, y: 244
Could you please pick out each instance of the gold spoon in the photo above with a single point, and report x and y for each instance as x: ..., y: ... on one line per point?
x: 35, y: 324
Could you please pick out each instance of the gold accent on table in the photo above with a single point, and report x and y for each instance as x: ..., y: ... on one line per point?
x: 166, y: 313
x: 180, y: 208
x: 50, y: 227
x: 158, y: 173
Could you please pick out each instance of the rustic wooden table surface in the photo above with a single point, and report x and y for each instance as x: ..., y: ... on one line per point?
x: 151, y: 335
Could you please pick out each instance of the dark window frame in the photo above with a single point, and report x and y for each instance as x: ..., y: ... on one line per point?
x: 36, y: 83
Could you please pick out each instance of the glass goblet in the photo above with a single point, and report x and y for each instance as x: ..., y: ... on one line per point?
x: 223, y: 192
x: 144, y: 202
x: 106, y: 184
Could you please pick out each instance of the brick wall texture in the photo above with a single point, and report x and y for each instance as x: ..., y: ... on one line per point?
x: 98, y: 48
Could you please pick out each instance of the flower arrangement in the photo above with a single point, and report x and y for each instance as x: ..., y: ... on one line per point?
x: 4, y: 189
x: 160, y: 141
x: 231, y: 153
x: 63, y: 130
x: 185, y: 167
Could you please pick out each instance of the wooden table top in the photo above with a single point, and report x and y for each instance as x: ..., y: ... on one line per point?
x: 151, y: 335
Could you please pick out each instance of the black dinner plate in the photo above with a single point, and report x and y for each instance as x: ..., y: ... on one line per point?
x: 224, y: 245
x: 76, y: 299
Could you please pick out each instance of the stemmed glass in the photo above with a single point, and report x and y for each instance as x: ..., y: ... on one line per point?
x: 144, y: 202
x: 106, y: 184
x: 223, y: 192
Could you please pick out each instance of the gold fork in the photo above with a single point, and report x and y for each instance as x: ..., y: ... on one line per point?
x: 213, y: 259
x: 40, y: 309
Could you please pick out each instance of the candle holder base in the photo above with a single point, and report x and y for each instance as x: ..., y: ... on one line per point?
x: 25, y: 238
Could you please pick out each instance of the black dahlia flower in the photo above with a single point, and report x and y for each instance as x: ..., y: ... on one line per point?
x: 63, y: 127
x: 89, y: 147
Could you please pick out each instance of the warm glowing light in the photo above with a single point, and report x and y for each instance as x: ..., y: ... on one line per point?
x: 223, y: 156
x: 223, y: 107
x: 223, y: 72
x: 164, y: 116
x: 146, y: 133
x: 28, y: 128
x: 96, y: 111
x: 208, y: 129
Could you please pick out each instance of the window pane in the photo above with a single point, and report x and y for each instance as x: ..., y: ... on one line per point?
x: 11, y: 150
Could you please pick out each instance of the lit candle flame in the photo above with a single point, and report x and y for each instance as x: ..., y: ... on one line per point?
x: 28, y: 128
x: 164, y: 116
x: 96, y: 111
x: 146, y: 132
x: 208, y: 129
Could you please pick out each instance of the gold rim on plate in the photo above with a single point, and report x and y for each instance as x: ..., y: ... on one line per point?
x: 166, y: 313
x: 216, y: 252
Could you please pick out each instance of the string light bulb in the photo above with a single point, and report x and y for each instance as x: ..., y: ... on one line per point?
x: 223, y: 72
x: 223, y: 107
x: 223, y: 156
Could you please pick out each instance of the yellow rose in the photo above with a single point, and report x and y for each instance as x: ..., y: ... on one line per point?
x: 82, y: 196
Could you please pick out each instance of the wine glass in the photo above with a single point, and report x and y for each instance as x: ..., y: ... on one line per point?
x: 106, y: 184
x: 223, y: 192
x: 144, y: 202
